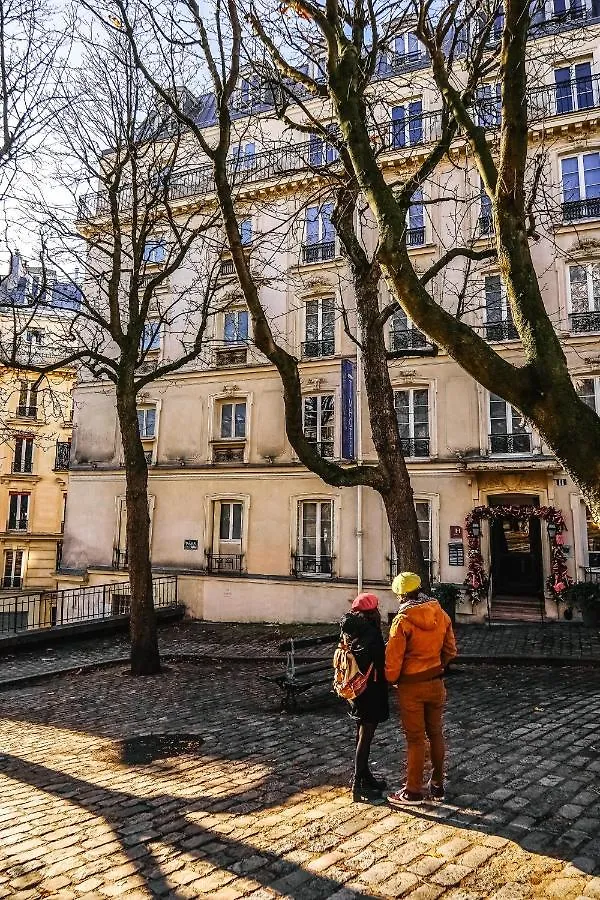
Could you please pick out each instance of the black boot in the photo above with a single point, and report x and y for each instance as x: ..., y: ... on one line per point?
x: 369, y: 779
x: 364, y: 792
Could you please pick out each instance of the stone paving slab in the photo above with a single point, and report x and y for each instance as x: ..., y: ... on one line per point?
x: 262, y: 810
x: 557, y: 643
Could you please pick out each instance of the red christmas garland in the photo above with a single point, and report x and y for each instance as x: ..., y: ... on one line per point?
x: 477, y: 581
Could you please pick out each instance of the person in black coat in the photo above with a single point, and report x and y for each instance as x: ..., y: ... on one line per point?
x: 362, y: 625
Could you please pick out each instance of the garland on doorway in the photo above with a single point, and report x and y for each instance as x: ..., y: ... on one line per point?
x: 477, y: 581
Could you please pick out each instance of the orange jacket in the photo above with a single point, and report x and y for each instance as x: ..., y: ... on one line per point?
x: 421, y: 643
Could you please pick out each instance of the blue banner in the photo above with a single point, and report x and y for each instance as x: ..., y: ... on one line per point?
x: 348, y: 409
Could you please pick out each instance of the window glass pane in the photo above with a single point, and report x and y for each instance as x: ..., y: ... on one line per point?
x: 493, y: 298
x: 398, y: 126
x: 401, y: 402
x: 246, y: 231
x: 227, y: 420
x: 421, y: 413
x: 595, y: 304
x: 242, y: 319
x: 584, y: 86
x: 240, y: 420
x: 312, y: 225
x: 310, y: 418
x: 399, y: 321
x: 593, y: 540
x: 225, y: 522
x: 519, y: 425
x: 328, y: 319
x: 498, y: 415
x: 564, y: 94
x: 315, y: 151
x: 229, y: 328
x: 326, y: 536
x: 416, y: 214
x: 312, y: 320
x: 579, y: 289
x: 591, y: 175
x: 585, y: 389
x: 150, y: 422
x: 328, y: 233
x: 422, y: 509
x: 570, y: 179
x: 236, y: 531
x: 308, y: 531
x: 415, y: 122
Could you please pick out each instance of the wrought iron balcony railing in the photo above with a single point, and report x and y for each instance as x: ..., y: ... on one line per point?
x: 585, y: 322
x: 17, y: 523
x: 226, y: 268
x: 501, y: 331
x: 408, y: 339
x: 591, y: 574
x: 485, y: 225
x: 404, y: 62
x: 27, y: 412
x: 510, y: 443
x: 12, y: 581
x: 594, y: 559
x: 62, y: 459
x: 313, y: 253
x: 415, y: 237
x: 120, y: 560
x: 581, y: 209
x: 415, y: 447
x: 323, y: 448
x: 229, y: 563
x: 395, y: 567
x: 231, y: 356
x: 222, y: 453
x: 577, y: 95
x: 312, y: 565
x: 317, y: 348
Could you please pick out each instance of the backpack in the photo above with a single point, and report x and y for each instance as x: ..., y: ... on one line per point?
x: 348, y: 681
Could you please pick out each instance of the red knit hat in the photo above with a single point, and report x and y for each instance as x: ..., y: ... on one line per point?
x: 365, y: 602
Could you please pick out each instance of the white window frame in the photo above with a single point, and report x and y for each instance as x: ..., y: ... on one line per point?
x: 590, y: 284
x: 21, y: 470
x: 319, y: 501
x: 580, y: 174
x: 320, y: 426
x: 19, y: 510
x: 410, y: 389
x: 509, y: 409
x: 152, y: 327
x: 430, y: 500
x: 231, y: 503
x: 235, y: 311
x: 596, y: 381
x: 144, y: 409
x: 234, y: 403
x: 319, y: 301
x: 21, y: 576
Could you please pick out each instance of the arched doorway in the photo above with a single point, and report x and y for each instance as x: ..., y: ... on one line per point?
x: 516, y: 550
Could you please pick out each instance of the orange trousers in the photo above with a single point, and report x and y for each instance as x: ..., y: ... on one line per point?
x: 421, y: 710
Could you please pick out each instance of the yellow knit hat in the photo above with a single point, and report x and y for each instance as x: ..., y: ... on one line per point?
x: 406, y: 583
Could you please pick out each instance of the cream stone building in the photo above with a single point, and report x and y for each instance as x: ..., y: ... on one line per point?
x: 254, y: 535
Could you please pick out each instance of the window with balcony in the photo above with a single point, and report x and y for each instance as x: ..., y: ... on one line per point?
x: 568, y: 9
x: 404, y: 335
x: 412, y: 414
x: 486, y: 219
x: 23, y: 458
x: 235, y: 338
x: 150, y: 340
x: 229, y: 447
x: 415, y: 233
x: 488, y: 105
x: 319, y: 423
x: 423, y: 511
x: 509, y: 433
x: 147, y: 422
x: 407, y: 51
x: 28, y: 400
x: 244, y: 156
x: 322, y: 152
x: 155, y: 251
x: 12, y: 576
x: 584, y: 297
x: 581, y: 186
x: 226, y: 552
x: 319, y: 330
x: 574, y: 88
x: 18, y: 512
x: 319, y: 232
x: 314, y: 554
x: 499, y: 325
x: 407, y: 125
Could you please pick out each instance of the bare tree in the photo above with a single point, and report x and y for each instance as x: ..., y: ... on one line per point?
x: 130, y: 326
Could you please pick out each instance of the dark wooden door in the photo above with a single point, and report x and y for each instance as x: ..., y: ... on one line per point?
x: 516, y: 556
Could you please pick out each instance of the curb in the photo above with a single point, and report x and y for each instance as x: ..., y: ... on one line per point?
x: 465, y: 661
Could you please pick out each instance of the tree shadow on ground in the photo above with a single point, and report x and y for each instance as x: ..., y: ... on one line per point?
x: 524, y: 746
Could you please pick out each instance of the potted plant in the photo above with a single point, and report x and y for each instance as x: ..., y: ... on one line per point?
x: 585, y: 596
x: 448, y: 596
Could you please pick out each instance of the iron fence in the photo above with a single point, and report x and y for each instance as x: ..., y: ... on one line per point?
x: 510, y: 443
x: 51, y: 609
x: 230, y: 563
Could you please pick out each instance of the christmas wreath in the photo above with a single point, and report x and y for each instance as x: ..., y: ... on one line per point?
x: 477, y: 581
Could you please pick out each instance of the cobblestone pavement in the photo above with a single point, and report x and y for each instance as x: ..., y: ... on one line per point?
x: 558, y: 642
x: 262, y: 809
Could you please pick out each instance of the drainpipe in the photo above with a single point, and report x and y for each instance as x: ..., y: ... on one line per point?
x: 359, y: 459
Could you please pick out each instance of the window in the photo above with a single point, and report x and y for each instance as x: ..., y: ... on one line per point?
x: 486, y: 219
x: 574, y: 87
x: 230, y: 521
x: 499, y: 325
x: 319, y: 327
x: 155, y: 251
x: 581, y: 186
x: 18, y: 512
x: 404, y: 335
x: 412, y: 414
x: 489, y: 105
x: 235, y: 326
x: 407, y: 124
x: 568, y: 9
x: 315, y: 538
x: 28, y: 397
x: 407, y: 49
x: 147, y: 422
x: 151, y: 336
x: 13, y: 570
x: 322, y: 152
x: 233, y: 420
x: 589, y: 391
x: 415, y: 235
x: 584, y: 297
x: 593, y: 541
x: 319, y: 423
x: 246, y: 232
x: 34, y: 337
x: 423, y: 511
x: 23, y: 458
x: 509, y: 431
x: 319, y: 234
x: 244, y: 156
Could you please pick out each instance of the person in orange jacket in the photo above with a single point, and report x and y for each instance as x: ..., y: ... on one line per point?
x: 420, y: 646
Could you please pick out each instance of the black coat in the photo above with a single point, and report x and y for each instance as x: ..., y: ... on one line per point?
x: 368, y: 646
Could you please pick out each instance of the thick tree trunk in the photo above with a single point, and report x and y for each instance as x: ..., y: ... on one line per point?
x: 145, y: 659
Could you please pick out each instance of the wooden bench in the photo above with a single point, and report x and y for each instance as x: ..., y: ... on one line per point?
x: 298, y: 678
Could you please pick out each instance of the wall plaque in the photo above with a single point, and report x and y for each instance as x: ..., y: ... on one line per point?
x: 456, y: 555
x: 190, y: 544
x: 456, y: 532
